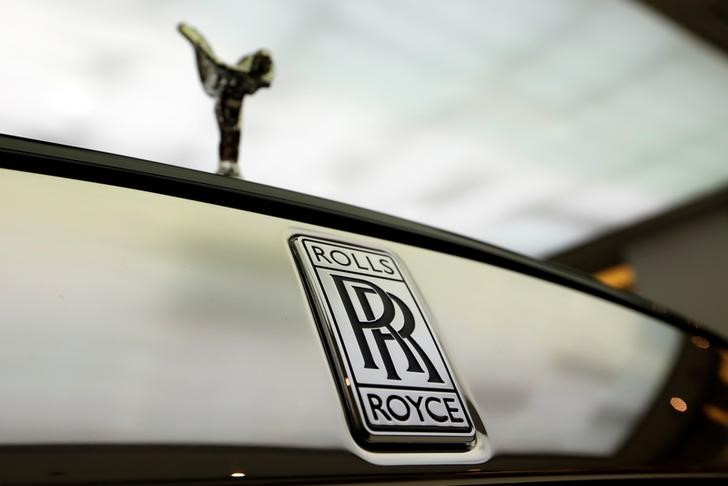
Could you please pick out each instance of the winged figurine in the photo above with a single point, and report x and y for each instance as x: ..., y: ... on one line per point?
x: 228, y: 85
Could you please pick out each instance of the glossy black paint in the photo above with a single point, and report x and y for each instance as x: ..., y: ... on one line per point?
x: 680, y: 444
x: 52, y: 159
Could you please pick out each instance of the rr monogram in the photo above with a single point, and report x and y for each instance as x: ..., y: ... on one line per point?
x: 381, y: 327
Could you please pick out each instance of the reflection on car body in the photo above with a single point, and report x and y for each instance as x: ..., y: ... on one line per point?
x: 156, y: 318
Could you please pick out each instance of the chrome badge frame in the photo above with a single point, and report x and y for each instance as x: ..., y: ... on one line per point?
x: 394, y: 379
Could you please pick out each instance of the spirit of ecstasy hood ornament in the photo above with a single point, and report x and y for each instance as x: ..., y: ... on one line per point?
x: 229, y: 84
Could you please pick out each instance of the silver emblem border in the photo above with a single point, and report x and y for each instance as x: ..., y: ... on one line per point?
x: 340, y: 369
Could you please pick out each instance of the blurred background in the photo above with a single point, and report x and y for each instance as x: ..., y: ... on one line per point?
x: 589, y: 133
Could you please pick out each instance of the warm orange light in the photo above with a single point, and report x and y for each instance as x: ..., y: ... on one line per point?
x: 619, y: 276
x: 237, y: 475
x: 679, y: 404
x: 723, y: 370
x: 700, y: 342
x: 716, y: 414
